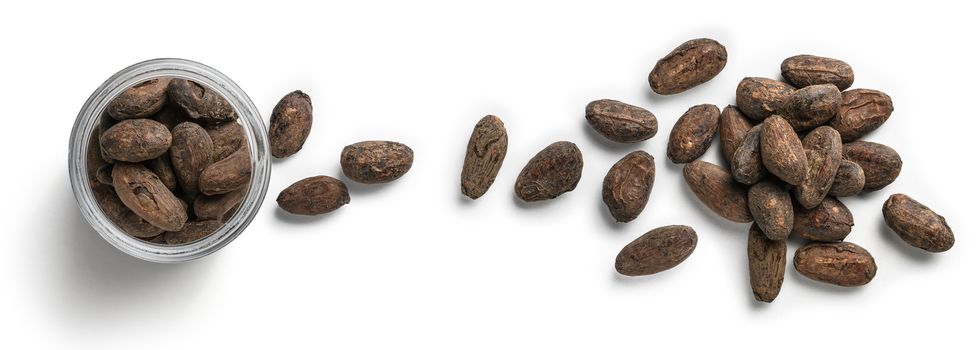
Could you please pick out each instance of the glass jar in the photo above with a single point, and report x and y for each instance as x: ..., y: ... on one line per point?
x: 88, y: 121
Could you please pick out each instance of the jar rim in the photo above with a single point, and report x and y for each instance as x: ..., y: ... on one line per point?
x: 255, y: 136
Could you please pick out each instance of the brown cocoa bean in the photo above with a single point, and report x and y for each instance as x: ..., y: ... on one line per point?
x: 733, y: 128
x: 746, y: 163
x: 766, y: 264
x: 372, y: 162
x: 628, y: 184
x: 164, y: 170
x: 145, y: 195
x: 200, y: 102
x: 226, y: 175
x: 718, y: 190
x: 692, y: 134
x: 289, y: 126
x: 690, y: 64
x: 759, y: 98
x: 812, y: 106
x: 862, y: 111
x: 824, y: 151
x: 191, y: 232
x: 119, y: 214
x: 313, y: 196
x: 841, y: 263
x: 849, y: 180
x: 917, y: 224
x: 806, y: 70
x: 881, y: 164
x: 217, y: 206
x: 829, y: 221
x: 171, y: 115
x: 191, y: 152
x: 621, y: 122
x: 226, y: 138
x: 771, y: 207
x: 656, y: 251
x: 135, y: 140
x: 553, y: 171
x: 782, y: 151
x: 139, y: 101
x: 484, y: 156
x: 105, y: 122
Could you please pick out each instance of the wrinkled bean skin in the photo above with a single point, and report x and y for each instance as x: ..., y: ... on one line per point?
x: 766, y: 265
x: 217, y: 206
x: 135, y: 140
x: 734, y: 127
x: 226, y: 175
x: 690, y: 64
x: 746, y: 163
x: 554, y: 171
x: 782, y: 152
x: 693, y: 133
x: 771, y: 207
x: 373, y: 162
x: 881, y: 164
x: 484, y: 156
x: 812, y: 106
x: 759, y: 98
x: 824, y: 151
x: 917, y: 224
x: 628, y: 184
x: 313, y: 196
x: 849, y: 180
x: 140, y: 101
x: 145, y: 195
x: 226, y: 138
x: 200, y: 103
x: 862, y: 111
x: 621, y: 122
x: 289, y: 126
x: 656, y: 251
x: 191, y: 152
x: 120, y: 215
x: 841, y: 263
x: 191, y: 232
x: 717, y: 189
x: 806, y: 70
x: 830, y: 221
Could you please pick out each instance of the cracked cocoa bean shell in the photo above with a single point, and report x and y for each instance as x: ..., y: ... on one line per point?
x: 841, y: 263
x: 692, y: 134
x: 120, y: 215
x: 782, y: 151
x: 164, y: 170
x: 881, y: 164
x: 192, y: 231
x: 226, y: 175
x: 216, y: 206
x: 313, y: 196
x: 692, y: 63
x: 746, y: 163
x: 621, y: 122
x: 829, y: 221
x: 656, y: 251
x: 917, y: 224
x: 806, y: 70
x: 289, y: 126
x: 628, y: 184
x: 484, y: 156
x: 766, y: 264
x: 849, y: 180
x: 759, y: 98
x: 372, y: 162
x: 862, y: 111
x: 191, y: 152
x: 200, y: 102
x: 140, y: 101
x: 812, y: 106
x: 717, y: 189
x: 734, y: 127
x: 824, y: 151
x: 553, y: 171
x: 145, y: 195
x: 226, y: 138
x: 771, y: 207
x: 135, y: 140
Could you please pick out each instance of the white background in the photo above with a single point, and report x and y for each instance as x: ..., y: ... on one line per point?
x: 413, y: 264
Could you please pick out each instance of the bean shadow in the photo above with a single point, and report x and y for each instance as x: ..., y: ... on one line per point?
x: 604, y: 143
x: 820, y: 286
x: 360, y: 189
x: 295, y: 219
x: 607, y: 218
x: 892, y: 239
x: 520, y: 203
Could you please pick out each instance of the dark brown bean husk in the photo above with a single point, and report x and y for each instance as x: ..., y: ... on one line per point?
x: 717, y: 189
x: 553, y: 171
x: 164, y: 170
x: 621, y: 122
x: 484, y: 156
x: 135, y: 140
x: 771, y: 207
x: 289, y: 126
x: 824, y: 151
x: 812, y: 106
x: 192, y: 231
x: 849, y: 180
x: 191, y: 152
x: 171, y: 115
x: 145, y: 195
x: 862, y: 111
x: 881, y: 164
x: 746, y: 163
x: 226, y: 175
x: 733, y: 128
x: 104, y: 175
x: 829, y: 221
x: 841, y: 263
x: 313, y: 196
x: 917, y: 224
x: 656, y: 251
x: 766, y: 265
x: 120, y: 215
x: 690, y: 64
x: 200, y: 103
x: 215, y: 207
x: 806, y: 70
x: 628, y: 184
x: 782, y: 151
x: 139, y: 101
x: 372, y: 162
x: 759, y: 98
x: 693, y: 133
x: 226, y: 138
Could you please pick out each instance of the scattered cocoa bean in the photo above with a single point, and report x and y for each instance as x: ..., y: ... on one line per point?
x: 849, y: 180
x: 841, y: 263
x: 658, y: 250
x: 628, y: 184
x: 734, y: 127
x: 693, y: 133
x: 372, y: 162
x: 747, y: 166
x: 621, y: 122
x: 766, y: 264
x: 917, y: 224
x: 824, y: 151
x: 313, y: 196
x: 881, y: 164
x: 759, y: 98
x: 862, y: 111
x: 484, y: 156
x: 806, y: 70
x: 782, y: 151
x: 553, y: 171
x: 771, y: 207
x: 690, y: 64
x: 829, y: 221
x: 289, y: 126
